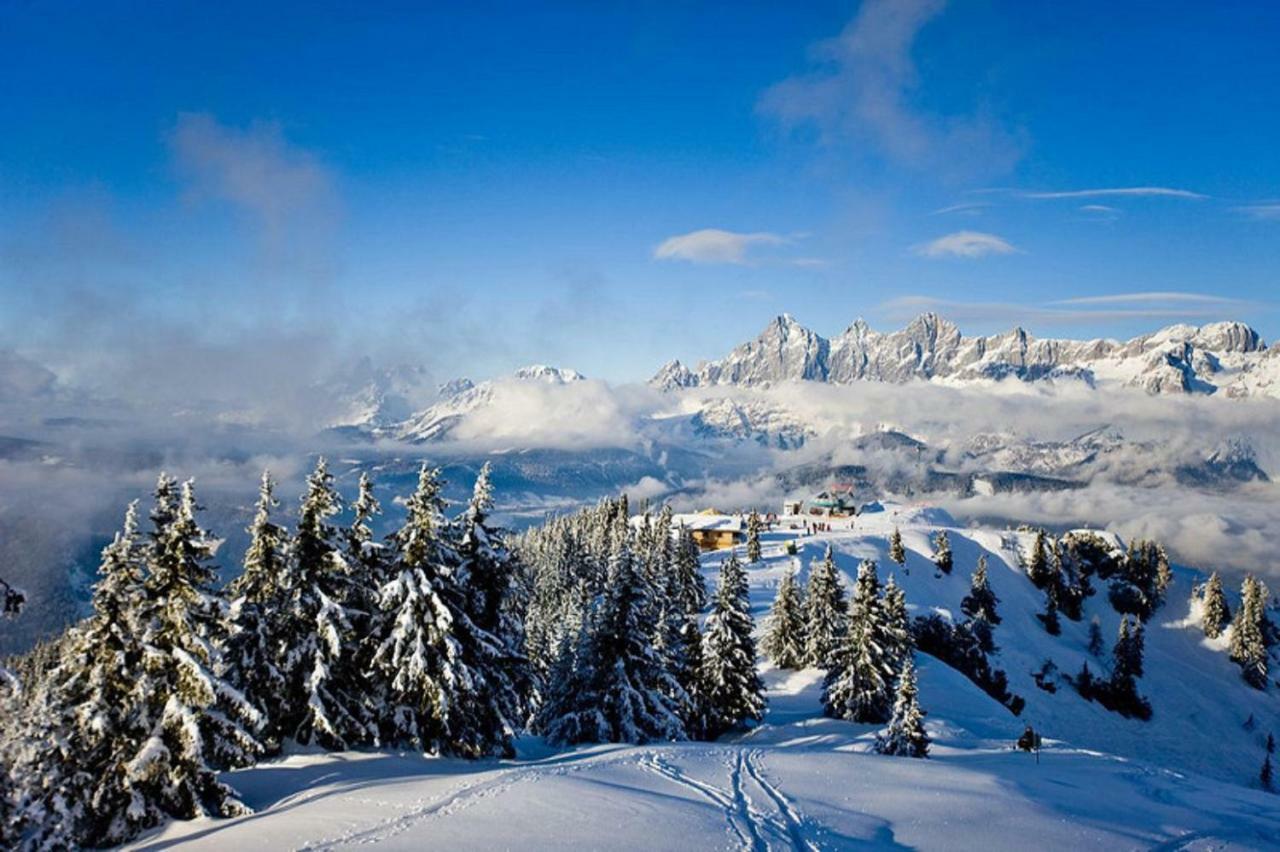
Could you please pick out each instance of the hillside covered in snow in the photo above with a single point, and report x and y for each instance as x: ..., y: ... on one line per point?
x: 1187, y: 778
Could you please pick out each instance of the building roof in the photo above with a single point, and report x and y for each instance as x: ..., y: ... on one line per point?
x: 706, y: 522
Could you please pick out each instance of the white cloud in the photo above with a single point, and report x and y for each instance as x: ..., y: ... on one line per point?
x: 965, y: 244
x: 971, y: 208
x: 713, y: 245
x: 1152, y: 296
x: 1099, y: 212
x: 1118, y: 192
x: 864, y: 86
x: 254, y: 168
x: 1270, y: 211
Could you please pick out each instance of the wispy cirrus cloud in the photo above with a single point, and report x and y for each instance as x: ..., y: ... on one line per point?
x: 717, y: 246
x: 967, y: 244
x: 863, y: 86
x: 1082, y: 311
x: 970, y: 208
x: 1176, y: 297
x: 1269, y: 210
x: 1099, y: 212
x: 1116, y: 192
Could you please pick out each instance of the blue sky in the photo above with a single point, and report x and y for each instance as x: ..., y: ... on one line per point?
x: 605, y: 186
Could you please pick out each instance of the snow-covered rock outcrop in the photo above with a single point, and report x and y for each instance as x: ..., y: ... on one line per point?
x: 1227, y: 356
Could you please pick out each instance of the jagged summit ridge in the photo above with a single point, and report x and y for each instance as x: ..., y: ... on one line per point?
x: 1176, y: 359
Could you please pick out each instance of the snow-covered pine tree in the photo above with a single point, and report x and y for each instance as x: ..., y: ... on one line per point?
x: 45, y: 765
x: 1049, y: 618
x: 897, y: 641
x: 1095, y: 637
x: 981, y: 602
x: 692, y: 588
x: 568, y: 713
x: 753, y: 537
x: 12, y: 601
x: 784, y: 639
x: 1038, y: 563
x: 195, y: 722
x: 1248, y: 639
x: 1266, y: 777
x: 367, y: 572
x: 1128, y: 651
x: 942, y: 552
x: 859, y: 682
x: 681, y: 646
x: 897, y: 552
x: 443, y: 694
x: 257, y: 603
x: 906, y: 735
x: 1163, y: 574
x: 81, y: 727
x: 621, y: 687
x: 494, y: 604
x: 323, y: 700
x: 825, y: 612
x: 732, y: 692
x: 1215, y: 613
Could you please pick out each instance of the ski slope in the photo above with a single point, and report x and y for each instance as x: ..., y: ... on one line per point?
x: 803, y: 781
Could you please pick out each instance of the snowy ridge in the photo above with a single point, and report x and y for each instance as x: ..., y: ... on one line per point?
x: 1223, y: 356
x: 460, y: 397
x: 1186, y: 779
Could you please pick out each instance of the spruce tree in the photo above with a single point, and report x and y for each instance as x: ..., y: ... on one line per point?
x: 633, y: 686
x: 942, y: 552
x: 825, y: 614
x: 897, y: 641
x: 1121, y: 692
x: 859, y: 683
x: 1128, y: 651
x: 1216, y: 614
x: 753, y: 537
x: 324, y: 691
x: 568, y: 713
x: 494, y: 603
x: 443, y: 672
x: 367, y: 571
x: 897, y: 552
x: 784, y: 639
x: 906, y: 735
x: 82, y: 726
x: 195, y: 722
x: 1163, y: 573
x: 681, y: 646
x: 688, y: 568
x: 981, y: 601
x: 1095, y: 637
x: 257, y: 603
x: 1266, y: 777
x: 1038, y: 565
x: 732, y: 691
x: 1049, y: 618
x: 1248, y: 636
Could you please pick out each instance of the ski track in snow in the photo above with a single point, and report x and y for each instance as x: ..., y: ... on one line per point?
x: 450, y: 803
x: 794, y: 820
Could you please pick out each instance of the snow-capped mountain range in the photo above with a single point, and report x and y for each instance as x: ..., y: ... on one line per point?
x: 460, y: 397
x: 1227, y: 358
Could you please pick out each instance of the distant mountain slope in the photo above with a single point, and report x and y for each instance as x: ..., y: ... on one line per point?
x: 1226, y: 356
